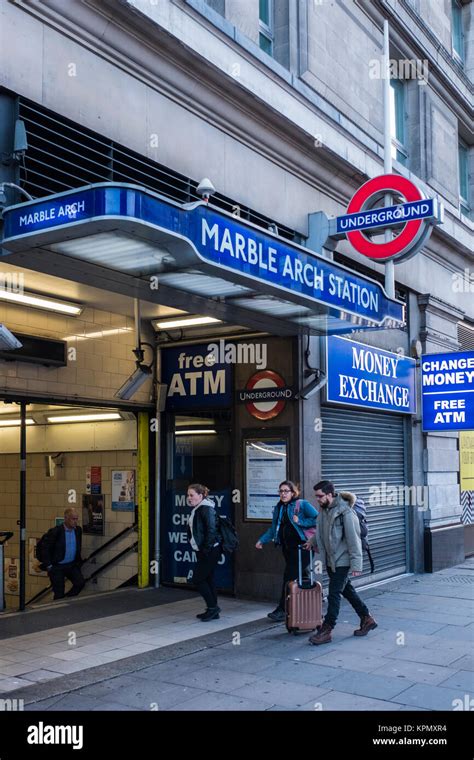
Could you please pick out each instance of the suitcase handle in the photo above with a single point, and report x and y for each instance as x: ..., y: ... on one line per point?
x: 312, y: 581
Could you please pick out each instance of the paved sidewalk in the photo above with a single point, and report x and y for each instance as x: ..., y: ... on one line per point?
x: 419, y: 658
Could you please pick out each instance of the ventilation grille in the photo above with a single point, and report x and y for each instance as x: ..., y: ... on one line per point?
x: 63, y: 155
x: 465, y: 337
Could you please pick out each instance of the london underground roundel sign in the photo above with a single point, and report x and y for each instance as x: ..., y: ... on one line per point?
x: 271, y: 388
x: 412, y: 219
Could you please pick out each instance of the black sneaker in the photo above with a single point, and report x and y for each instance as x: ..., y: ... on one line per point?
x: 211, y: 614
x: 201, y: 614
x: 278, y: 615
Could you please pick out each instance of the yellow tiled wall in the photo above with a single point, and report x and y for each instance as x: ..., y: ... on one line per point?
x: 101, y: 365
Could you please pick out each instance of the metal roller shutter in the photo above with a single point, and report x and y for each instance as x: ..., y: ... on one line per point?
x: 361, y: 450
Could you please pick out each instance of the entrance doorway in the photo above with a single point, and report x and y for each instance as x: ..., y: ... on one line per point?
x: 198, y: 449
x: 80, y: 457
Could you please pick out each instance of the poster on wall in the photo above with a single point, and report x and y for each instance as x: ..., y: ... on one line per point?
x: 265, y: 468
x: 33, y: 563
x: 12, y: 575
x: 466, y: 467
x: 93, y: 514
x: 94, y: 480
x: 123, y: 490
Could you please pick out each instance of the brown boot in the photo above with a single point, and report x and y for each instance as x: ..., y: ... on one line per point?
x: 323, y: 636
x: 367, y: 624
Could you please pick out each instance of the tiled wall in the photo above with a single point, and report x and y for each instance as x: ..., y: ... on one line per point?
x: 48, y: 497
x: 101, y: 365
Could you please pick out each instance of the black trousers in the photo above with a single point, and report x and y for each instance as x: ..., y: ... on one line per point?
x: 58, y: 575
x: 290, y: 553
x: 339, y: 584
x: 203, y: 575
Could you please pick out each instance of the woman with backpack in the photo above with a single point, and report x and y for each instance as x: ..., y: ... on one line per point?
x: 293, y: 523
x: 204, y: 537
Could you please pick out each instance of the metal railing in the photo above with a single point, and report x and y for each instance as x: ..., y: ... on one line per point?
x: 93, y: 556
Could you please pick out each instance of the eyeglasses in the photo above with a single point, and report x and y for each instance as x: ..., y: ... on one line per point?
x: 285, y: 490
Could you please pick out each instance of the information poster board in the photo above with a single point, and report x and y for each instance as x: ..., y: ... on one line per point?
x: 466, y: 466
x: 265, y: 468
x: 123, y: 490
x: 11, y: 567
x: 93, y: 514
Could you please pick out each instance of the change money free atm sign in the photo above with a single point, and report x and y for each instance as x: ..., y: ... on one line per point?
x: 447, y: 387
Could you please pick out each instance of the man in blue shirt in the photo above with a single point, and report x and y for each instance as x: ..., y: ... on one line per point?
x: 62, y: 552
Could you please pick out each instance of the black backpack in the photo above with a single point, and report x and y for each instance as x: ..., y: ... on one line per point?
x: 228, y: 535
x: 40, y: 550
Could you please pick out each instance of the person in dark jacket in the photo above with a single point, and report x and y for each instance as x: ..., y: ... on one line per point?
x: 290, y: 517
x: 204, y: 538
x: 62, y: 555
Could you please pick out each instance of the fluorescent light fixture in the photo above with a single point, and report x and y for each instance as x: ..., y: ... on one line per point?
x: 41, y: 302
x: 99, y: 417
x: 101, y: 334
x: 184, y: 322
x: 195, y: 432
x: 134, y: 382
x: 15, y: 423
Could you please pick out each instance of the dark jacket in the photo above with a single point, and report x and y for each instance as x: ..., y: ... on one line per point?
x: 205, y: 531
x: 55, y: 545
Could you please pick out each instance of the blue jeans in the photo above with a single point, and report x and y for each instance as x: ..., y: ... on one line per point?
x: 339, y: 584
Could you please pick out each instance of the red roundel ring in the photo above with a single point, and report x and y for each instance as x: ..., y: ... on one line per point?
x: 275, y: 381
x: 411, y: 232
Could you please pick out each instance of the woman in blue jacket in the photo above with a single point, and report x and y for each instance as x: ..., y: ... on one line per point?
x: 290, y: 516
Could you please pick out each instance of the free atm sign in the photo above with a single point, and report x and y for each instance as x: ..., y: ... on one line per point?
x: 447, y: 386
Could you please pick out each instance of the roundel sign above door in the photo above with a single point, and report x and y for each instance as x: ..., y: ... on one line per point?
x: 411, y: 220
x: 265, y: 394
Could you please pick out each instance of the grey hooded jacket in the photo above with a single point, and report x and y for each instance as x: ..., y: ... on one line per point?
x: 338, y: 534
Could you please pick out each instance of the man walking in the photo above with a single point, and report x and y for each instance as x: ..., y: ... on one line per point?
x: 62, y: 555
x: 338, y: 539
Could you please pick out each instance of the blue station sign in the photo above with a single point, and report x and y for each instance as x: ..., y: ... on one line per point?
x: 447, y: 387
x: 365, y: 376
x: 200, y: 238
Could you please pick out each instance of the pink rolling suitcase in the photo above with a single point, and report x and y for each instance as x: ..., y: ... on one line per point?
x: 304, y: 602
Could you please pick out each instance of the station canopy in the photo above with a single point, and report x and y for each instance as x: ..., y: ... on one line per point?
x: 194, y: 257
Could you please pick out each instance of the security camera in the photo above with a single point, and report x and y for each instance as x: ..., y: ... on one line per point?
x: 8, y: 342
x: 319, y: 381
x: 205, y: 189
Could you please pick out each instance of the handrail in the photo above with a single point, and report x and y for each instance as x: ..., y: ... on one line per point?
x: 109, y: 542
x: 112, y: 561
x: 97, y: 551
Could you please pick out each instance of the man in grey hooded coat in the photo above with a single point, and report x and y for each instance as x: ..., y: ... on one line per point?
x: 338, y: 540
